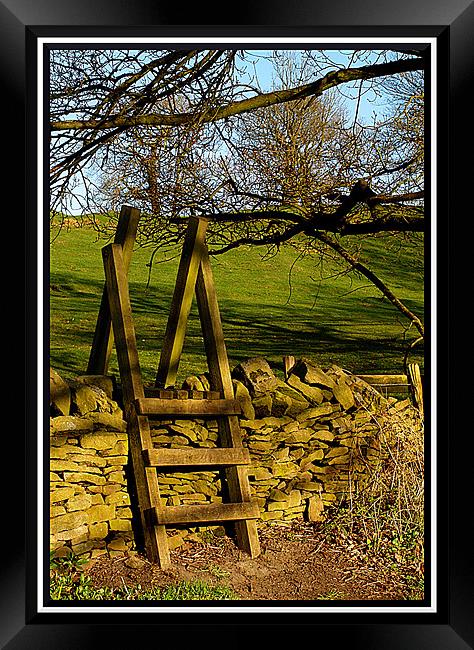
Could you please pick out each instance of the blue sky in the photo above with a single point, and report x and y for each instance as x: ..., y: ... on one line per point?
x: 257, y: 64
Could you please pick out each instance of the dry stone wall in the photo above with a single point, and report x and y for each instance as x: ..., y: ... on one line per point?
x: 314, y: 440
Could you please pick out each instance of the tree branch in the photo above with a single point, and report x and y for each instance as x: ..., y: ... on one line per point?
x: 316, y: 88
x: 370, y: 275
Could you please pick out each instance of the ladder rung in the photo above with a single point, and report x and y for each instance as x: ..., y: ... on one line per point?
x: 199, y: 514
x: 196, y: 457
x: 187, y: 407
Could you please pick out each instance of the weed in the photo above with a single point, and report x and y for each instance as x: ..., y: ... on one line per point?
x: 385, y: 518
x: 217, y: 571
x: 332, y: 594
x: 67, y: 582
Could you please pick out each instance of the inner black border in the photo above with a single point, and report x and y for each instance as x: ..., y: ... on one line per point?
x: 454, y: 26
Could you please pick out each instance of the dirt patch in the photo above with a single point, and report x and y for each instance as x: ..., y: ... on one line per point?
x: 297, y: 562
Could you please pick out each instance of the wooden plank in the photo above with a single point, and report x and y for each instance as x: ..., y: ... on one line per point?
x: 235, y: 478
x: 103, y: 340
x: 386, y: 380
x: 181, y: 302
x: 213, y: 512
x: 187, y: 407
x: 124, y: 331
x: 196, y: 457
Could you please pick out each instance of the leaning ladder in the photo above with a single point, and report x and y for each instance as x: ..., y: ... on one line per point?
x: 163, y: 401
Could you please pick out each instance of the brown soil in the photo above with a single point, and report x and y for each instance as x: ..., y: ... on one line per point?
x: 297, y: 562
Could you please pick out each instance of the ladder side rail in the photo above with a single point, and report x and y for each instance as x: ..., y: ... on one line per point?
x: 122, y: 321
x: 103, y: 340
x: 219, y: 370
x: 181, y: 303
x: 139, y: 436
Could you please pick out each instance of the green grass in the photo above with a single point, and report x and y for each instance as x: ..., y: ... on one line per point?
x: 68, y: 582
x: 340, y: 319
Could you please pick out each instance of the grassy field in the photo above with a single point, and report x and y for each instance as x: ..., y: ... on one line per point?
x: 338, y: 319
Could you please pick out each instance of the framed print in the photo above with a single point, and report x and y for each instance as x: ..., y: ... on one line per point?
x: 298, y: 177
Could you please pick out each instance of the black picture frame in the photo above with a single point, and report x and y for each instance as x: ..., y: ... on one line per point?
x: 451, y: 627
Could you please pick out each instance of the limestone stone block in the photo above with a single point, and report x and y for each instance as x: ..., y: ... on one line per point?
x: 70, y: 423
x: 104, y: 382
x: 69, y: 521
x: 59, y: 452
x: 278, y: 495
x: 317, y: 454
x: 116, y: 477
x: 87, y: 459
x: 281, y: 454
x: 271, y: 516
x: 263, y: 405
x: 300, y: 436
x: 85, y: 398
x: 119, y: 449
x: 118, y: 544
x: 322, y: 434
x: 315, y: 512
x: 124, y: 512
x: 59, y: 465
x: 82, y: 477
x: 280, y: 403
x: 118, y: 499
x: 193, y: 383
x: 96, y: 514
x: 98, y: 440
x: 336, y: 451
x: 259, y: 473
x: 315, y: 412
x: 61, y: 494
x: 295, y: 499
x: 311, y: 374
x: 109, y: 421
x: 79, y: 502
x: 344, y: 395
x: 117, y: 460
x: 99, y: 530
x: 275, y: 506
x: 122, y: 525
x: 309, y: 486
x: 59, y: 393
x: 285, y: 470
x: 242, y: 395
x: 311, y: 393
x: 256, y: 375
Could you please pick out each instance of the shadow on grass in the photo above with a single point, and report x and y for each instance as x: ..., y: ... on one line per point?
x: 361, y: 334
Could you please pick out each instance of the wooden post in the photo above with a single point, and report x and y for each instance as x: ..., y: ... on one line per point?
x: 219, y: 370
x: 181, y: 303
x: 416, y: 387
x: 288, y: 363
x: 103, y: 340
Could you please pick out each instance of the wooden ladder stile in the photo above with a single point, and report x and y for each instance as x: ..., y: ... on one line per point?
x: 163, y: 401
